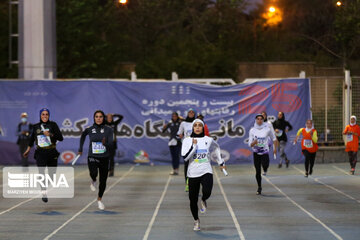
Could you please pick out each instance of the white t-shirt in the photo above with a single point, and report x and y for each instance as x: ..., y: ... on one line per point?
x: 262, y: 134
x: 198, y: 155
x: 185, y: 129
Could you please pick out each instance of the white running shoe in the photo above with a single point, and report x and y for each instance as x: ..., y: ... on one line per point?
x: 264, y: 173
x: 101, y: 206
x: 93, y: 186
x: 202, y: 206
x: 197, y: 225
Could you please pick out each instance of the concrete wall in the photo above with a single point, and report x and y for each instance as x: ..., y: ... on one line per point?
x: 274, y: 69
x: 332, y: 155
x: 283, y: 70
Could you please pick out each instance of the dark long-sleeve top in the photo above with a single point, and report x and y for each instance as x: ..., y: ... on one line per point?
x: 113, y: 124
x: 174, y: 128
x: 96, y: 134
x: 281, y: 125
x: 42, y: 141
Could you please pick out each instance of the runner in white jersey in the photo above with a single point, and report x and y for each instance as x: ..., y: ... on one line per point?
x: 185, y: 131
x: 197, y: 150
x: 259, y: 142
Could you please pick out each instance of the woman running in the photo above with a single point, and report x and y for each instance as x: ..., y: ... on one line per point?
x: 185, y: 131
x: 174, y: 141
x: 45, y: 134
x: 265, y: 164
x: 196, y: 150
x: 281, y: 127
x: 100, y: 144
x: 259, y: 142
x: 352, y: 132
x: 308, y: 145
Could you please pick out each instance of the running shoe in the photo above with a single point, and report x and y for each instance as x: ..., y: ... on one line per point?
x: 264, y: 174
x: 101, y: 206
x: 44, y: 198
x: 187, y: 185
x: 280, y: 165
x: 259, y: 191
x: 111, y: 173
x: 306, y: 174
x: 352, y: 171
x: 310, y: 172
x: 93, y: 186
x: 287, y: 162
x: 203, y: 206
x: 174, y: 173
x: 197, y: 225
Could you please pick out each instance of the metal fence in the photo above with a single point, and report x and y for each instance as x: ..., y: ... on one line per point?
x: 355, y: 105
x: 327, y: 99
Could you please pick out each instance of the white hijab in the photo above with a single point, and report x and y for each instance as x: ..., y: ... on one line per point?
x: 352, y: 124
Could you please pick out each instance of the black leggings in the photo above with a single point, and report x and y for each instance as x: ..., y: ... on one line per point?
x: 112, y: 153
x: 258, y: 161
x: 186, y: 165
x: 103, y: 165
x: 175, y: 155
x: 265, y: 163
x: 206, y: 182
x: 309, y: 160
x: 46, y: 158
x: 352, y: 159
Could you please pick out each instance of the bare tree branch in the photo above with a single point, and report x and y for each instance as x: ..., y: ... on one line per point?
x: 321, y: 44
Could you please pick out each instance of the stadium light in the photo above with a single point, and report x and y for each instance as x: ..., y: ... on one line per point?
x: 339, y: 3
x: 123, y: 1
x: 272, y: 9
x: 272, y: 16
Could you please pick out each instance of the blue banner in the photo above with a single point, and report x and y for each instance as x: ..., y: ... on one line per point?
x: 229, y: 113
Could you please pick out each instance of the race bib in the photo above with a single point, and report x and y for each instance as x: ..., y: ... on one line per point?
x: 308, y: 143
x: 98, y: 148
x: 279, y: 134
x: 43, y: 141
x: 261, y: 143
x: 201, y: 156
x: 349, y: 137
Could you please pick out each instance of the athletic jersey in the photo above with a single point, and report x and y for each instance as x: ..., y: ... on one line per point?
x: 174, y: 140
x: 185, y: 129
x: 96, y: 134
x: 42, y: 141
x: 309, y: 140
x: 281, y: 126
x: 262, y: 134
x: 352, y: 141
x: 198, y: 155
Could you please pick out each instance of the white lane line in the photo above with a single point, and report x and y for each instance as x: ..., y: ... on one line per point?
x: 237, y: 225
x: 88, y: 205
x: 305, y: 211
x: 147, y: 232
x: 331, y: 187
x: 27, y: 200
x: 341, y: 170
